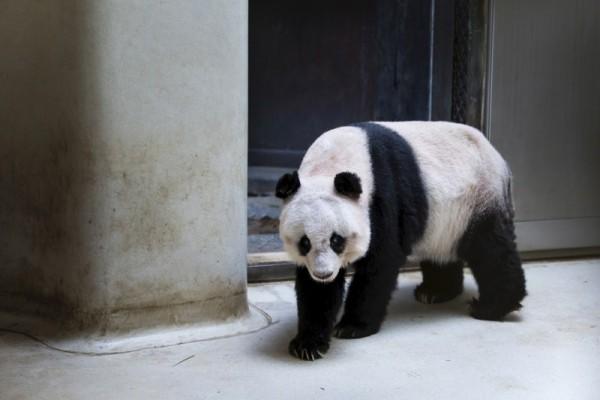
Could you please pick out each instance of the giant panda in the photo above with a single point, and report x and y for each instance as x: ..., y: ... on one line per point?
x: 377, y: 194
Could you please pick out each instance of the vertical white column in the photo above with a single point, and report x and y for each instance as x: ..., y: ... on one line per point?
x: 123, y: 146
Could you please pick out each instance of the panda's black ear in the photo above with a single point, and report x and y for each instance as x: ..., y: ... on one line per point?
x: 287, y: 185
x: 348, y: 184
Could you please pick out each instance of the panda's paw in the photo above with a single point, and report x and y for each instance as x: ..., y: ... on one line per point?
x: 308, y: 349
x: 353, y: 330
x: 491, y: 312
x: 427, y: 295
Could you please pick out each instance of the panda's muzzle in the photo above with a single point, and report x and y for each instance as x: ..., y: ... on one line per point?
x: 323, y: 266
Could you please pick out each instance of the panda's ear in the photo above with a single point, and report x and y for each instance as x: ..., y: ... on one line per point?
x: 348, y: 184
x: 287, y: 185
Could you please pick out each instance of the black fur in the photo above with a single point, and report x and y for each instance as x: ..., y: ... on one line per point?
x: 348, y: 184
x: 398, y: 216
x: 489, y: 248
x: 337, y: 243
x: 441, y: 282
x: 304, y: 245
x: 287, y: 185
x: 318, y: 306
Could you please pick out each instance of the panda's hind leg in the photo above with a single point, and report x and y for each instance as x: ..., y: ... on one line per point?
x: 441, y: 282
x: 489, y: 249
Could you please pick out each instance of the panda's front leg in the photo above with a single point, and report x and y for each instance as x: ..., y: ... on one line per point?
x: 318, y: 306
x: 369, y: 293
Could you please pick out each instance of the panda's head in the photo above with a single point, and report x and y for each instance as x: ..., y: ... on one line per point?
x: 323, y: 225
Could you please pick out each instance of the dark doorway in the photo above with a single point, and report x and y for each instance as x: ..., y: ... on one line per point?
x: 315, y: 65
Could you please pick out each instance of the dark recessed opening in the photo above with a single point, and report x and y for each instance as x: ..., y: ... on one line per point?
x: 315, y: 65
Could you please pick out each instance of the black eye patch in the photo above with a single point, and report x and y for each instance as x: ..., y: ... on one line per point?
x: 304, y: 245
x: 337, y: 243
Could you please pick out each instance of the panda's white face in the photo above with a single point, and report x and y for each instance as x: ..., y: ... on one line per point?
x: 324, y: 231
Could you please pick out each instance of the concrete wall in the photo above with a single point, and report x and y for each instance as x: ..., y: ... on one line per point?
x: 123, y: 160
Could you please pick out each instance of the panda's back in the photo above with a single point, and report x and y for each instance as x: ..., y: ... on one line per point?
x: 463, y: 176
x: 459, y: 173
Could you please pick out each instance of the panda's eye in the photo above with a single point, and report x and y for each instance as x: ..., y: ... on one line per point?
x: 337, y: 243
x: 304, y: 245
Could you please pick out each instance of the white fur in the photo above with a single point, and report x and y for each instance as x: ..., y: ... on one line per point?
x: 463, y: 175
x: 340, y: 150
x: 317, y: 211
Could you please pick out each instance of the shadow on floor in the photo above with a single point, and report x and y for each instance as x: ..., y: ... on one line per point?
x: 405, y: 315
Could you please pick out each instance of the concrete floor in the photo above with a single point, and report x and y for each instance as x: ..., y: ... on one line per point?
x: 550, y: 350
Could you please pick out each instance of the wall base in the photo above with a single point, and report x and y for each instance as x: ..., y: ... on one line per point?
x: 94, y: 342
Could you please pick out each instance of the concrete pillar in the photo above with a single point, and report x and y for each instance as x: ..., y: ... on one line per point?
x: 123, y: 145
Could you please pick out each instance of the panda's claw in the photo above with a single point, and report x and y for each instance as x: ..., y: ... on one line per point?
x: 308, y: 349
x: 348, y: 330
x: 427, y: 295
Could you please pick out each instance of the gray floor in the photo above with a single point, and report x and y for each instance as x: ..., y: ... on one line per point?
x: 550, y: 350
